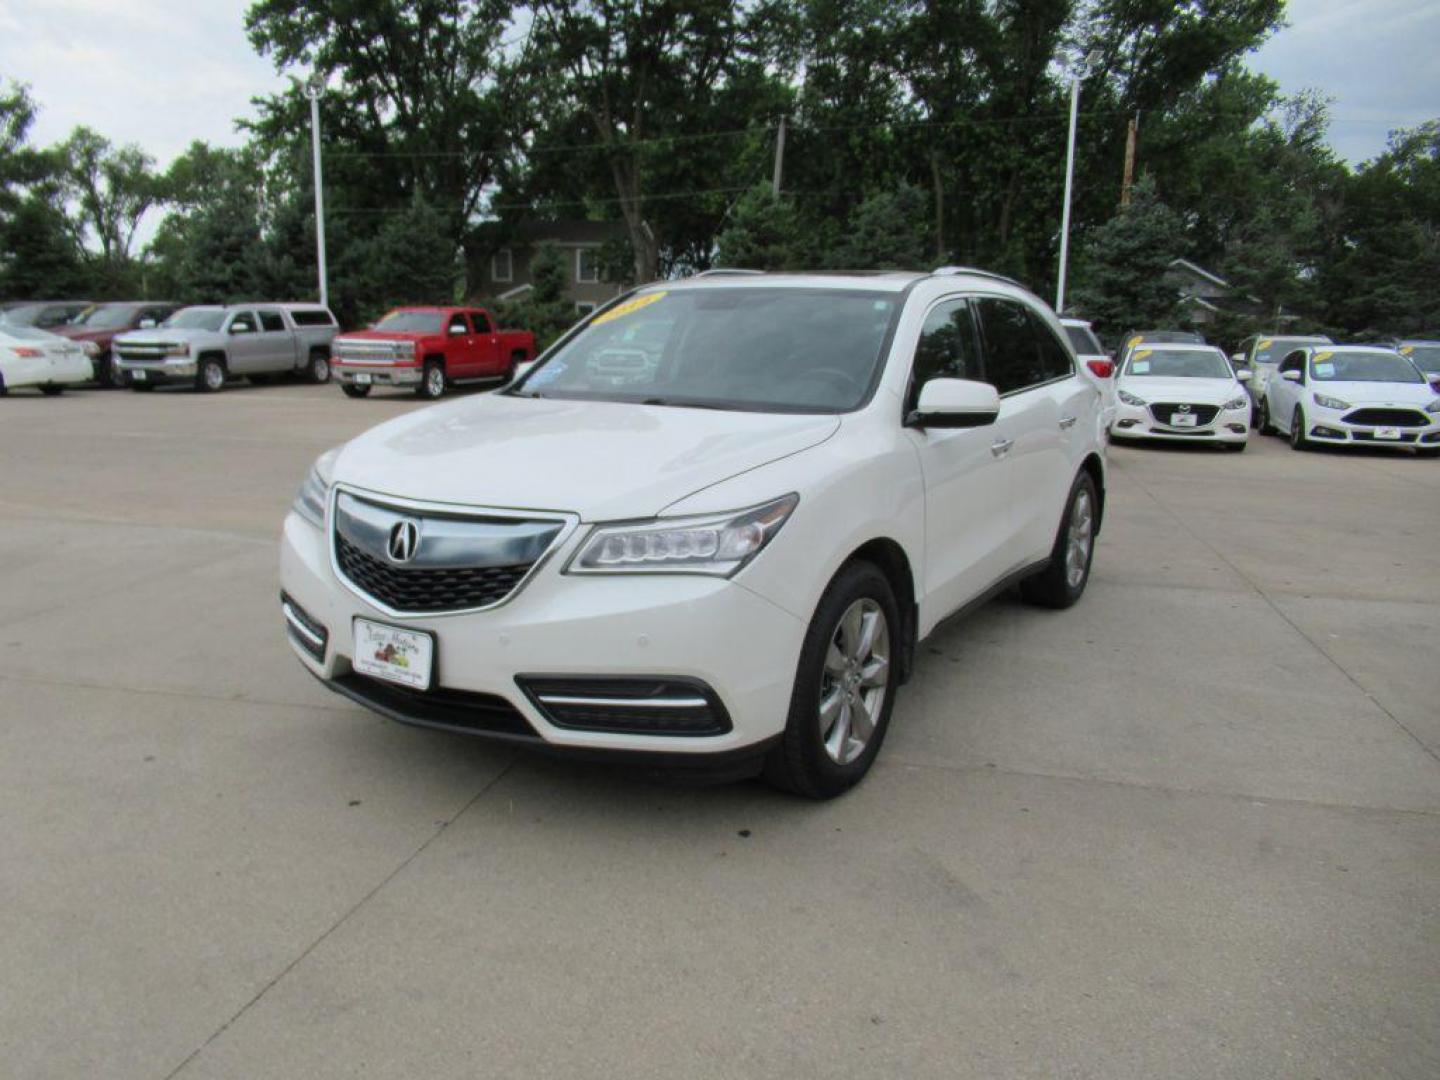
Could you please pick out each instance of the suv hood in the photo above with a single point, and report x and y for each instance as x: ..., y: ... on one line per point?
x: 80, y: 333
x: 604, y: 460
x: 1195, y: 391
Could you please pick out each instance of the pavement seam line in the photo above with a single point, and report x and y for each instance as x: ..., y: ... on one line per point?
x: 345, y: 917
x: 1136, y: 785
x: 1287, y: 620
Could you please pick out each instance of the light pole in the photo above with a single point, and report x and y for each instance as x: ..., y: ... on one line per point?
x: 313, y: 88
x: 1077, y: 73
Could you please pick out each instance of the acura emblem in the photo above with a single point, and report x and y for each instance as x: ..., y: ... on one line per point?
x: 404, y: 540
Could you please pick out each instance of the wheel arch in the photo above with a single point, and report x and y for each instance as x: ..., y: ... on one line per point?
x: 1093, y: 465
x: 889, y: 557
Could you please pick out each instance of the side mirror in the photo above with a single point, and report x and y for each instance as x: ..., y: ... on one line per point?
x: 1244, y: 374
x: 146, y: 324
x: 955, y: 403
x: 239, y: 328
x: 455, y: 330
x: 1290, y: 376
x: 1237, y: 358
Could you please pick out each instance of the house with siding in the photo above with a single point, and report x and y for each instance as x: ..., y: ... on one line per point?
x: 504, y: 270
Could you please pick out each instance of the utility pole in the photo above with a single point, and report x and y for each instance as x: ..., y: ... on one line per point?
x: 779, y: 157
x: 313, y: 90
x: 1131, y: 132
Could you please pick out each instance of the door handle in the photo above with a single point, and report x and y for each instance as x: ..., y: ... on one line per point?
x: 1067, y: 422
x: 1001, y: 447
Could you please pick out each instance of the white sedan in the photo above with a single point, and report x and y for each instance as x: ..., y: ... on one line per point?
x: 1180, y: 393
x: 1347, y: 394
x: 30, y: 357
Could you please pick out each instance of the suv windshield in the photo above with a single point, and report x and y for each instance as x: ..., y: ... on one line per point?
x: 107, y: 317
x: 412, y: 322
x: 761, y: 349
x: 196, y: 319
x: 1083, y: 341
x: 1179, y: 364
x: 1426, y: 357
x: 1374, y: 366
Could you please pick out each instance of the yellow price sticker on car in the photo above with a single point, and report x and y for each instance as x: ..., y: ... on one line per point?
x: 1323, y: 356
x: 1406, y: 350
x: 1143, y: 353
x: 1265, y: 344
x: 1134, y: 341
x: 619, y: 311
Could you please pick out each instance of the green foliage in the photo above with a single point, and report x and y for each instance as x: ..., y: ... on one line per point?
x: 764, y: 233
x: 888, y: 231
x: 1123, y: 263
x: 544, y: 309
x: 413, y: 258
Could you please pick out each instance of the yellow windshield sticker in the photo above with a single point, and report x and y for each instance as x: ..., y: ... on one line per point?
x: 619, y: 311
x: 1323, y: 356
x: 1406, y: 350
x: 1265, y: 344
x: 1134, y: 341
x: 1143, y: 353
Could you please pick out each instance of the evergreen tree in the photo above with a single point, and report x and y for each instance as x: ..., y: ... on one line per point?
x: 544, y: 309
x: 1123, y: 263
x: 764, y: 233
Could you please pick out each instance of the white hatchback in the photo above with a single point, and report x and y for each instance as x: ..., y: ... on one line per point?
x: 1181, y: 393
x: 1348, y: 394
x: 725, y: 558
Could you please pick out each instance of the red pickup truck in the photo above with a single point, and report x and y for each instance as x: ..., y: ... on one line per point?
x: 428, y: 348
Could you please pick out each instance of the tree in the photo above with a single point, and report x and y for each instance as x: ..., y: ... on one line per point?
x: 413, y: 258
x: 113, y: 187
x: 763, y: 233
x: 888, y: 231
x: 544, y: 309
x: 1123, y: 263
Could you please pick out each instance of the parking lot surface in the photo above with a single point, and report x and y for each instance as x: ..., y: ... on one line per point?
x: 1189, y: 828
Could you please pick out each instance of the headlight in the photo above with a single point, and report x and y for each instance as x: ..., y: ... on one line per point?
x: 1241, y: 402
x: 1434, y: 406
x: 1330, y: 402
x: 178, y: 348
x: 1129, y: 398
x: 89, y: 348
x: 314, y: 493
x: 718, y: 544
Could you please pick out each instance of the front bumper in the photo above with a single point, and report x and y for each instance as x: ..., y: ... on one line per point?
x: 172, y: 369
x: 710, y: 632
x: 372, y: 374
x: 1328, y: 426
x: 1137, y: 422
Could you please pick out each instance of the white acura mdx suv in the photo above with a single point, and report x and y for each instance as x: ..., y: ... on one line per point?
x: 709, y: 527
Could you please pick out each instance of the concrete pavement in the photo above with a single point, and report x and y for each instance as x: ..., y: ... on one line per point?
x: 1189, y: 828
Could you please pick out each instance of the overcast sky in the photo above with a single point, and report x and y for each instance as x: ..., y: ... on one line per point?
x: 162, y: 73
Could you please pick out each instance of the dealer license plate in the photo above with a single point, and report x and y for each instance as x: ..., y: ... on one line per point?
x: 1182, y: 419
x: 1387, y: 433
x: 394, y: 654
x: 139, y: 376
x: 362, y: 378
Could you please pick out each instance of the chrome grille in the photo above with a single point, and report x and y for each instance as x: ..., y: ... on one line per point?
x: 373, y: 352
x: 452, y: 562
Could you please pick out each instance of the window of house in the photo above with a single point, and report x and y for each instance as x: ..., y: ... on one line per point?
x: 587, y: 264
x: 502, y: 265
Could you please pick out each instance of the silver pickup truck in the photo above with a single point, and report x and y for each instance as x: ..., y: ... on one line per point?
x: 205, y: 346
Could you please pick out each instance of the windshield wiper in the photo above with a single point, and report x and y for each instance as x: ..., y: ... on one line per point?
x: 681, y: 404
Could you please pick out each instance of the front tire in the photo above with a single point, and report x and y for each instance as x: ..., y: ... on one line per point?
x: 1235, y: 447
x: 1067, y: 573
x: 432, y: 382
x: 1298, y: 441
x: 52, y: 390
x: 352, y: 390
x: 1266, y: 426
x: 210, y: 376
x: 844, y: 687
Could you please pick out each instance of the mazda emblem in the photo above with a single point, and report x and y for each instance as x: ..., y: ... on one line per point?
x: 404, y: 540
x: 1184, y: 408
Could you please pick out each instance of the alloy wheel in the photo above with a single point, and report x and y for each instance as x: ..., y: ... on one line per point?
x: 214, y: 376
x: 1078, y: 539
x: 435, y: 381
x: 855, y: 680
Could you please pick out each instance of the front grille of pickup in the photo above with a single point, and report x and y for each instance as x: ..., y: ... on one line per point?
x: 1203, y: 413
x: 423, y: 562
x: 418, y: 591
x: 1388, y: 417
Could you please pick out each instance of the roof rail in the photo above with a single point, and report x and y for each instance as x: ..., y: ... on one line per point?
x: 722, y: 271
x: 978, y: 273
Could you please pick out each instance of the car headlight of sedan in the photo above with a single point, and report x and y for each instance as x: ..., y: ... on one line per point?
x: 718, y: 544
x: 314, y: 493
x: 1433, y: 407
x: 1330, y: 402
x: 1241, y: 402
x: 1129, y: 398
x: 89, y: 348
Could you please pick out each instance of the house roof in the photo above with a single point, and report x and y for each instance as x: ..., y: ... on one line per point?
x: 1199, y: 271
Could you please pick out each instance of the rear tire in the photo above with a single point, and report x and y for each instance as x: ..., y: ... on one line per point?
x: 351, y: 390
x: 1298, y: 441
x: 432, y: 381
x: 52, y: 390
x: 142, y: 387
x: 210, y: 375
x: 845, y: 687
x: 1067, y: 573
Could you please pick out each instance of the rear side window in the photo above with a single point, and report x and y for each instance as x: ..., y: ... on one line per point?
x: 947, y: 348
x: 312, y: 317
x: 482, y: 324
x: 1020, y: 351
x: 272, y: 321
